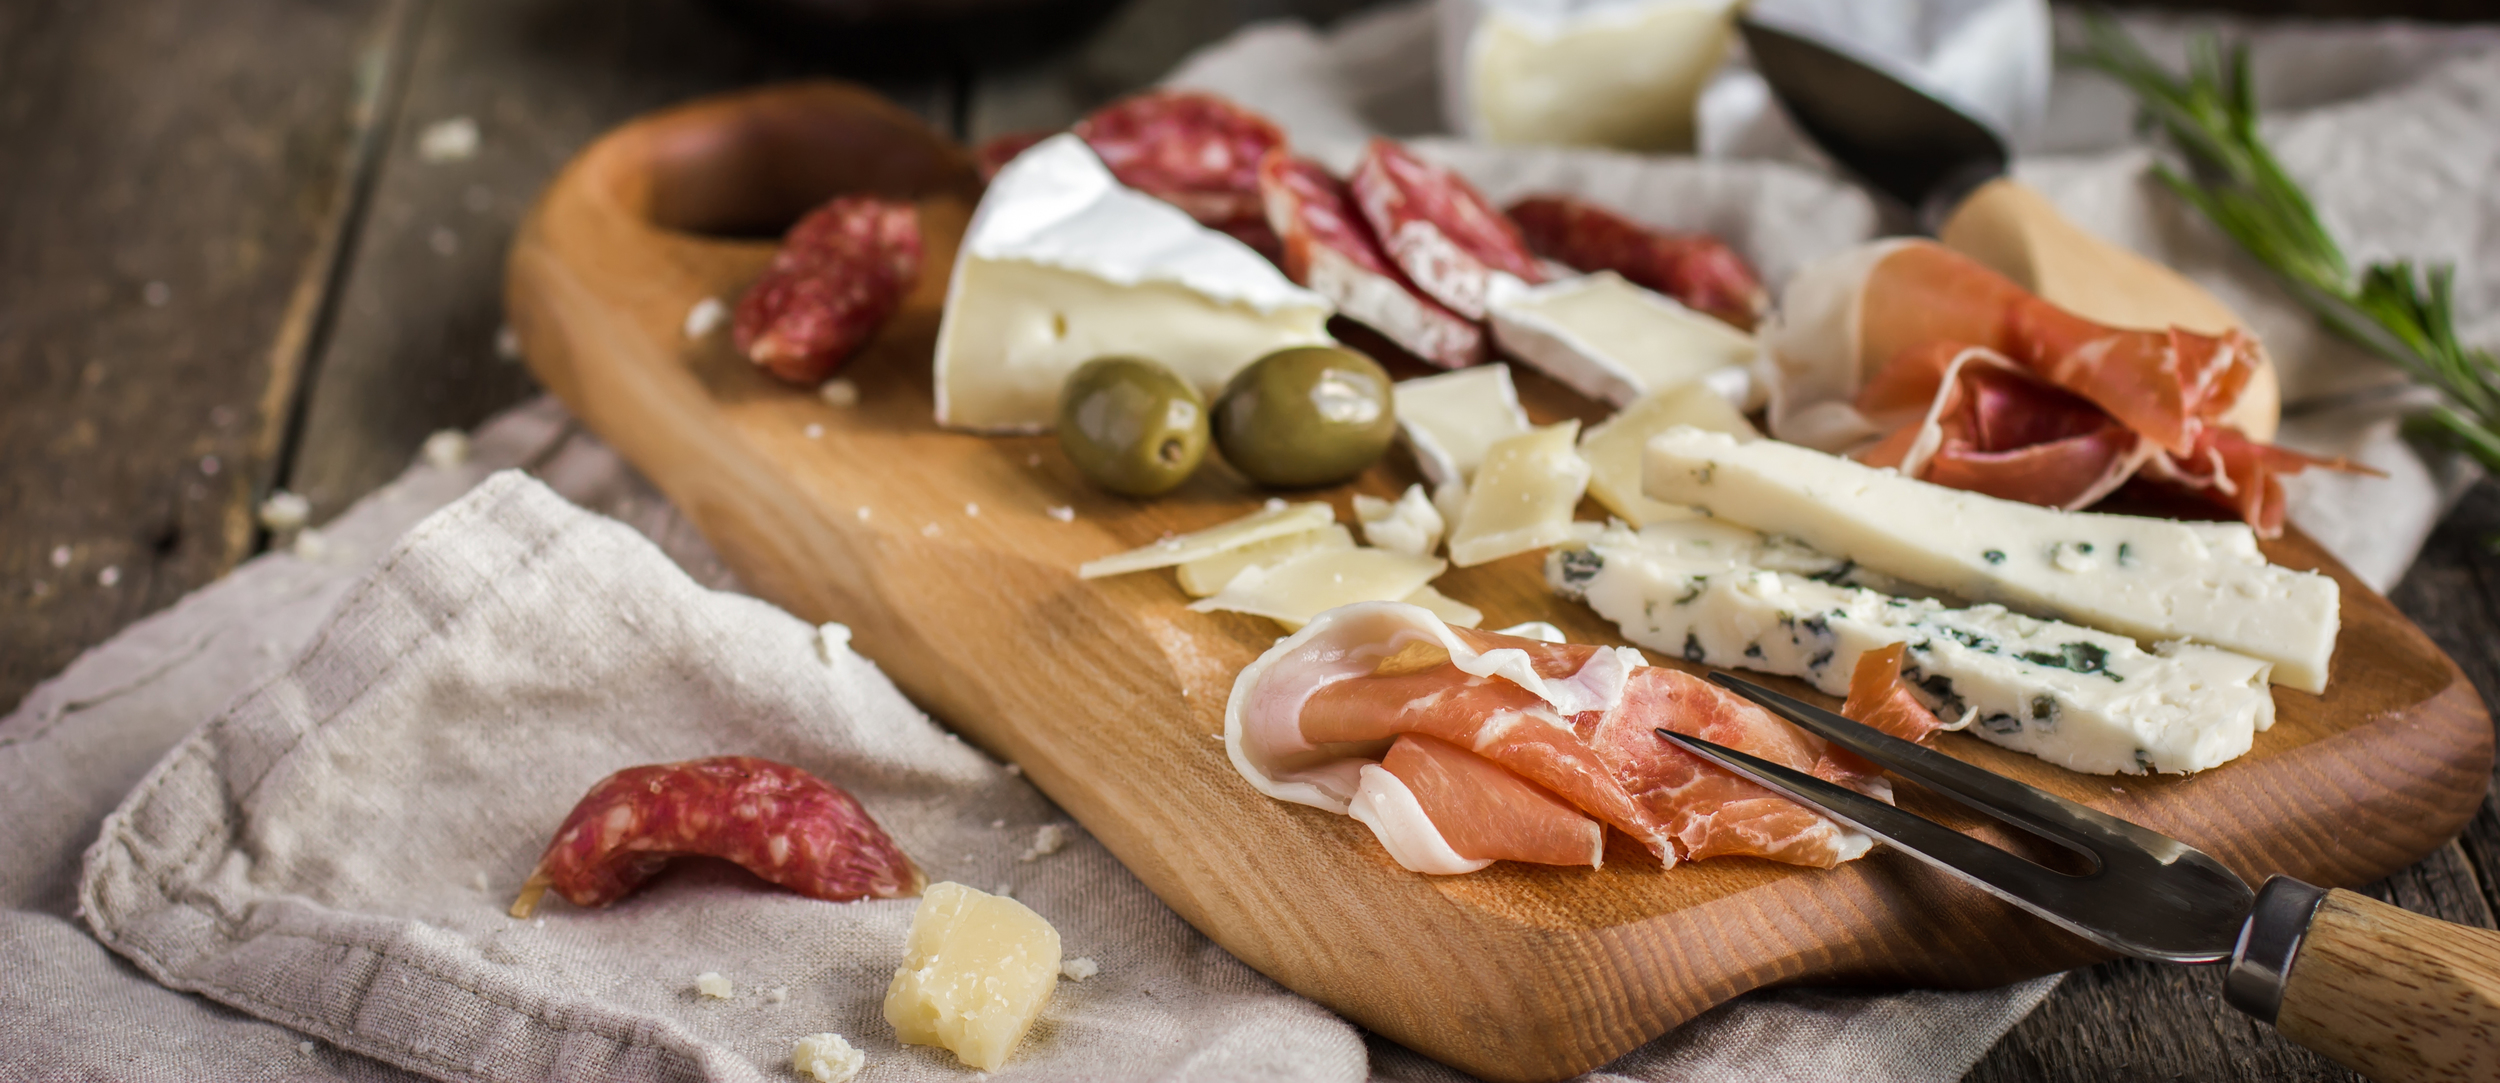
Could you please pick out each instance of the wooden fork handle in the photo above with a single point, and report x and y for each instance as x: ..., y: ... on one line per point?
x: 2391, y: 994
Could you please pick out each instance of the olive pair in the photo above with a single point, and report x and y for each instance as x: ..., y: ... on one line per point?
x: 1299, y: 417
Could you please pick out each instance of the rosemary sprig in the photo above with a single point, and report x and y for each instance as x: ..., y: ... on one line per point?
x: 2396, y: 310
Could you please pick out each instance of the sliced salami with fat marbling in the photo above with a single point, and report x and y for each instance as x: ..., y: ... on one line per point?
x: 1439, y: 229
x: 1328, y: 247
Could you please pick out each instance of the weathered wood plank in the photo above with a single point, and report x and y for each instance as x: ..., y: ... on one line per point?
x: 415, y: 346
x: 176, y: 173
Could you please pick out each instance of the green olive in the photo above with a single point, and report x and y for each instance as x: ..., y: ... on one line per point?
x: 1310, y: 415
x: 1131, y: 425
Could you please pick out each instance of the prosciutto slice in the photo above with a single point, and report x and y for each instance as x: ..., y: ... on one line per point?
x: 1880, y: 698
x: 1329, y: 247
x: 1970, y: 419
x: 1313, y: 720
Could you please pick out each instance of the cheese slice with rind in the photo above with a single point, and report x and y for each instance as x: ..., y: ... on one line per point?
x: 1274, y: 521
x: 1614, y: 341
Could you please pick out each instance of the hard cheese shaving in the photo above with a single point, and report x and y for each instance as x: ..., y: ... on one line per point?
x: 1613, y: 448
x: 1305, y: 586
x: 1275, y: 521
x: 1522, y: 498
x: 1208, y: 574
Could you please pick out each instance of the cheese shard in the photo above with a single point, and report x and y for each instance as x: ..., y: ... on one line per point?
x: 1455, y: 613
x: 1613, y: 448
x: 977, y: 970
x: 1449, y: 420
x: 1613, y: 73
x: 1614, y: 341
x: 2149, y: 579
x: 1208, y: 574
x: 1305, y: 586
x: 827, y: 1058
x: 1062, y: 264
x: 1274, y: 521
x: 2090, y: 701
x: 1522, y: 498
x: 1409, y: 524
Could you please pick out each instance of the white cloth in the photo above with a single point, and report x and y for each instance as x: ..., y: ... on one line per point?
x: 334, y: 849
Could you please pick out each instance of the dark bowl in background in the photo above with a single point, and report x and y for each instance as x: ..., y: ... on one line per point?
x: 914, y: 37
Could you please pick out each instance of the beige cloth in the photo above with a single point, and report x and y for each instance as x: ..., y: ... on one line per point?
x: 333, y: 851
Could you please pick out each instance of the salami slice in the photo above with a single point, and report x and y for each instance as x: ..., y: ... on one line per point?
x: 778, y: 821
x: 1438, y: 229
x: 1328, y: 247
x: 994, y: 153
x: 841, y: 272
x: 1697, y: 269
x: 1194, y: 150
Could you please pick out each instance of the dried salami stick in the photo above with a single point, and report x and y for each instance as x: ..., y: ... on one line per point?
x: 781, y: 823
x: 1329, y: 248
x: 1697, y: 269
x: 1438, y: 229
x: 840, y: 273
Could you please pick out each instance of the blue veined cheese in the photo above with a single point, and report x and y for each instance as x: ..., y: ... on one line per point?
x: 2149, y: 579
x: 2082, y: 699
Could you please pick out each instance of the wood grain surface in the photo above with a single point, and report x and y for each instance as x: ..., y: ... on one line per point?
x: 936, y: 548
x: 2398, y: 996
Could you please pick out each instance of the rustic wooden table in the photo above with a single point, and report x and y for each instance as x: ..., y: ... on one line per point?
x: 228, y: 265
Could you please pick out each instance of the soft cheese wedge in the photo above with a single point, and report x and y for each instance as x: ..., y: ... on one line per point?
x: 1062, y: 264
x: 1618, y: 74
x: 977, y: 970
x: 2090, y: 701
x: 1450, y: 420
x: 1522, y: 498
x: 2149, y: 579
x: 1276, y: 520
x: 1614, y: 341
x: 1613, y: 448
x: 1301, y: 587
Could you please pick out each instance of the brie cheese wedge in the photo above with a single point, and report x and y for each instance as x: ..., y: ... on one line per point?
x: 1062, y: 264
x: 2149, y: 579
x: 1614, y: 341
x: 1613, y: 447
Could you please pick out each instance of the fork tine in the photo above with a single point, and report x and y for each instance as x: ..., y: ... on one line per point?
x: 2079, y: 827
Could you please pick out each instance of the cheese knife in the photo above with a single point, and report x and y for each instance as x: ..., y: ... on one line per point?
x: 2394, y: 995
x: 1950, y: 170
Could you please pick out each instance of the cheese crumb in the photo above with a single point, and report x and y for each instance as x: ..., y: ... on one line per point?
x: 831, y: 640
x: 480, y: 883
x: 779, y: 994
x: 814, y: 431
x: 705, y: 317
x: 60, y: 556
x: 1049, y: 840
x: 306, y: 1048
x: 839, y: 392
x: 929, y: 531
x: 285, y: 511
x: 310, y: 545
x: 711, y: 984
x: 863, y: 513
x: 826, y: 1058
x: 110, y: 576
x: 1061, y: 512
x: 507, y: 343
x: 156, y: 294
x: 446, y: 449
x: 1015, y: 770
x: 452, y: 140
x: 1079, y: 968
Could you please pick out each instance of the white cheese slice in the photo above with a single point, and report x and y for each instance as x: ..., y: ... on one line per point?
x: 1523, y: 496
x: 1613, y: 73
x: 2085, y: 700
x: 1208, y: 574
x: 1408, y: 524
x: 1455, y: 613
x: 1449, y: 420
x: 2151, y: 579
x: 1613, y: 341
x: 1613, y: 448
x: 1305, y: 586
x: 1062, y: 264
x: 1275, y: 520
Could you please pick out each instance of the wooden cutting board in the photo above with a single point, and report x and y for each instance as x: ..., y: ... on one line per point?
x: 938, y: 549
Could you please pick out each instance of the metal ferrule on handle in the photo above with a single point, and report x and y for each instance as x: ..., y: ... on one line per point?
x: 2262, y: 959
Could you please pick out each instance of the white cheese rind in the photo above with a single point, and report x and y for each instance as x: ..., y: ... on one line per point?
x: 2151, y: 579
x: 1304, y: 586
x: 1062, y: 264
x: 1409, y: 524
x: 1522, y: 498
x: 1449, y: 420
x: 1274, y: 521
x: 2086, y: 700
x: 1614, y: 341
x: 1614, y: 446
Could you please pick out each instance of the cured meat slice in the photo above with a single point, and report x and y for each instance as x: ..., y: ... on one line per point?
x: 1438, y: 229
x: 995, y: 152
x: 1486, y: 813
x: 1696, y: 269
x: 2241, y: 474
x: 1879, y: 697
x: 1329, y: 247
x: 840, y: 273
x: 1197, y: 151
x: 1983, y: 424
x: 1311, y: 720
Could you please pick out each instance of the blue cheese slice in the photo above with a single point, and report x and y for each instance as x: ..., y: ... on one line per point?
x: 1522, y: 498
x: 2149, y: 579
x: 1613, y: 447
x: 2085, y: 700
x: 1062, y: 264
x: 1613, y: 341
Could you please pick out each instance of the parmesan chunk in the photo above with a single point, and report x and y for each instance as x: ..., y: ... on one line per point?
x: 826, y: 1058
x: 1207, y: 575
x: 1522, y: 498
x: 1409, y: 524
x: 1613, y: 448
x: 977, y: 970
x: 1274, y: 521
x: 1293, y: 592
